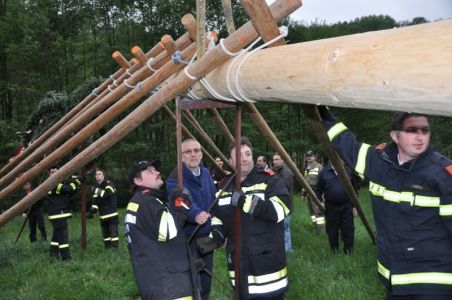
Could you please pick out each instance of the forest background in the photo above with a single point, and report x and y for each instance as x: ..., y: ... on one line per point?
x: 54, y: 52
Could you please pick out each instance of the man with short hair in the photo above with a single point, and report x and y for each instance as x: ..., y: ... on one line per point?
x: 35, y: 216
x: 58, y: 204
x: 280, y: 168
x: 104, y: 200
x: 198, y: 183
x: 218, y: 172
x: 155, y: 238
x: 411, y: 191
x: 261, y: 163
x: 311, y: 173
x: 264, y: 201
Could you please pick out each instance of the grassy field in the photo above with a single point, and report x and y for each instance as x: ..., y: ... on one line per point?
x: 27, y: 271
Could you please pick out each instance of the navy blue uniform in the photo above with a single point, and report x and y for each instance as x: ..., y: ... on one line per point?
x: 338, y: 208
x: 412, y: 206
x: 263, y: 271
x: 58, y: 204
x: 104, y: 200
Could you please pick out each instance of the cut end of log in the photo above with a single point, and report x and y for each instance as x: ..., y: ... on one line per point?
x: 116, y: 54
x: 189, y: 23
x: 167, y: 39
x: 135, y: 50
x: 134, y: 61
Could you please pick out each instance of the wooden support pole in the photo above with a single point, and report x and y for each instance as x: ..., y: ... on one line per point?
x: 237, y: 210
x: 201, y: 27
x: 227, y: 10
x: 93, y: 111
x: 177, y: 85
x: 188, y: 133
x: 139, y: 54
x: 267, y: 28
x: 221, y: 125
x: 169, y: 44
x: 121, y: 60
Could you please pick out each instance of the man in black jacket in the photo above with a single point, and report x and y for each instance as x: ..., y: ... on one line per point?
x: 58, y: 203
x: 35, y: 216
x: 339, y: 208
x: 104, y: 200
x: 155, y: 238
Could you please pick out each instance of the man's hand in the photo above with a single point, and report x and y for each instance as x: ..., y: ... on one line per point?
x: 202, y: 217
x: 325, y: 113
x: 24, y: 216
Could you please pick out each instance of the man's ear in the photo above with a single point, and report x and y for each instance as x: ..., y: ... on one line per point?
x: 394, y: 136
x: 137, y: 181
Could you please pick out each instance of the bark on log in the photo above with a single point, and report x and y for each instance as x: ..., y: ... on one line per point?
x: 406, y: 69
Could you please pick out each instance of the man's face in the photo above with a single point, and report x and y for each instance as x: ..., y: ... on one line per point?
x: 310, y: 158
x: 191, y: 154
x: 246, y: 161
x: 27, y: 186
x: 219, y: 162
x: 414, y: 137
x: 150, y: 178
x: 100, y: 176
x: 260, y: 162
x: 277, y: 161
x: 52, y: 171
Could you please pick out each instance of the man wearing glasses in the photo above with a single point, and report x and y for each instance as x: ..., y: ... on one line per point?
x: 411, y: 190
x: 198, y: 184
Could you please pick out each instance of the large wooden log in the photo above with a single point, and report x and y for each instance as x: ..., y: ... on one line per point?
x: 177, y: 85
x: 406, y: 69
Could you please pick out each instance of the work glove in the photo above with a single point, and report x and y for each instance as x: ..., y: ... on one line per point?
x: 325, y: 113
x: 181, y: 202
x: 238, y: 198
x: 208, y: 244
x: 80, y: 178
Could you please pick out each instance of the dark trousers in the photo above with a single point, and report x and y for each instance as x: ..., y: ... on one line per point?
x: 339, y: 220
x: 389, y: 296
x: 110, y: 231
x: 204, y: 278
x: 60, y: 239
x: 36, y: 217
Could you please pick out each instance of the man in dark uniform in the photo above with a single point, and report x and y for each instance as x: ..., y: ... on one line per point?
x: 411, y: 190
x: 264, y: 202
x: 155, y: 238
x: 58, y: 203
x: 339, y: 210
x: 35, y: 217
x: 311, y: 173
x: 104, y: 200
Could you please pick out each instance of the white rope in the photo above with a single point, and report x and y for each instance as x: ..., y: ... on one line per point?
x: 112, y: 77
x: 128, y: 85
x: 226, y: 50
x: 128, y: 73
x: 109, y: 88
x: 115, y: 83
x: 150, y: 64
x: 94, y: 92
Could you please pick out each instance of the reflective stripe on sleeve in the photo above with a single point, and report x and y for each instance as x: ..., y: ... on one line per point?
x: 63, y: 246
x: 73, y: 186
x: 445, y: 210
x: 215, y: 221
x: 256, y: 187
x: 132, y: 206
x: 397, y: 197
x: 383, y: 271
x: 281, y: 209
x: 109, y: 187
x: 336, y: 130
x: 361, y: 161
x: 95, y: 206
x: 422, y: 278
x: 59, y: 187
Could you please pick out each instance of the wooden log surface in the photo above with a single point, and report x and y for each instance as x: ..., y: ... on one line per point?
x: 406, y: 69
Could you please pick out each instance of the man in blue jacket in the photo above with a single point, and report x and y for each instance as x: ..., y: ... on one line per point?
x: 199, y: 185
x: 411, y: 191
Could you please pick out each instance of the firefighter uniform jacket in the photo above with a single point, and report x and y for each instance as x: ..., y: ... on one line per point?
x: 157, y: 246
x: 412, y: 206
x: 58, y: 199
x: 263, y: 270
x: 312, y: 172
x: 104, y: 200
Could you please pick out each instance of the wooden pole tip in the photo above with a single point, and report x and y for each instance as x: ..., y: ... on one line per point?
x: 135, y: 49
x: 188, y: 18
x: 167, y: 39
x: 116, y: 54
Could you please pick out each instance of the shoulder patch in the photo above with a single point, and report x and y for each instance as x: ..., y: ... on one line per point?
x: 270, y: 172
x: 449, y: 169
x: 380, y: 147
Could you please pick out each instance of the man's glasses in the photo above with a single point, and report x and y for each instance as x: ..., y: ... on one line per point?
x: 191, y: 151
x: 414, y: 130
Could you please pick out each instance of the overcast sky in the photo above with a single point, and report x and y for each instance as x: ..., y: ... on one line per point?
x: 332, y: 11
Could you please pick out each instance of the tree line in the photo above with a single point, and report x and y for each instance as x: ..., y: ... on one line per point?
x: 55, y: 52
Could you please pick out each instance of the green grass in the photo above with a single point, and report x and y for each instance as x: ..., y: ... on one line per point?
x: 27, y: 271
